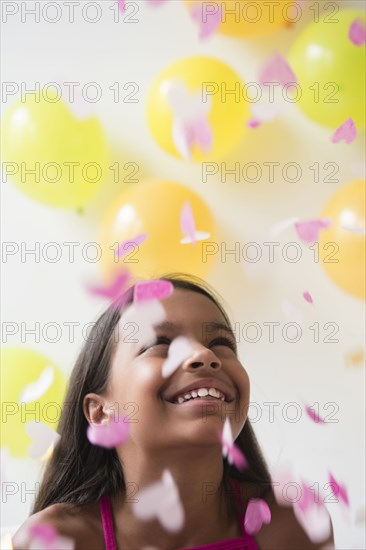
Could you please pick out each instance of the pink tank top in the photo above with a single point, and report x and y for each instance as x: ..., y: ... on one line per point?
x: 246, y: 542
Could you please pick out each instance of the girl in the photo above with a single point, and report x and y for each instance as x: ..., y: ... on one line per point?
x: 86, y: 491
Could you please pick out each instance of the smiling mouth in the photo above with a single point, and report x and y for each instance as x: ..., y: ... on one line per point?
x: 202, y: 394
x: 200, y: 401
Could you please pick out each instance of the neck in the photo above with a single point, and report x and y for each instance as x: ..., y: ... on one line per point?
x: 206, y: 499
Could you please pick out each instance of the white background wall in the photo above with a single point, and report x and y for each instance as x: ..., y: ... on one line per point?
x: 280, y: 372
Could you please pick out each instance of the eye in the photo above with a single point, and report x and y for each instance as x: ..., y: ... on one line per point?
x: 224, y: 342
x: 160, y: 340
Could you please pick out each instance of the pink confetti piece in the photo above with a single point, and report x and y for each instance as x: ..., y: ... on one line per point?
x: 42, y: 438
x: 254, y: 123
x: 187, y: 223
x: 188, y: 226
x: 161, y: 500
x: 231, y: 451
x: 152, y: 290
x: 308, y: 231
x: 347, y: 132
x: 115, y: 289
x: 357, y: 32
x: 313, y: 415
x: 187, y: 134
x: 45, y: 537
x: 257, y: 514
x: 308, y: 297
x: 208, y: 22
x: 179, y: 350
x: 127, y: 246
x: 109, y: 434
x: 338, y: 490
x: 312, y: 515
x: 190, y: 118
x: 35, y: 390
x: 144, y: 316
x: 122, y: 5
x: 277, y: 70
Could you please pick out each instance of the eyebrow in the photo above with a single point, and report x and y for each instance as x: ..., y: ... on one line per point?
x: 210, y: 326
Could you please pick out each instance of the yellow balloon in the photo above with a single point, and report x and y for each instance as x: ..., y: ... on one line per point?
x: 154, y: 207
x: 246, y: 19
x: 342, y: 246
x: 68, y: 157
x: 20, y: 368
x: 209, y: 80
x: 331, y: 71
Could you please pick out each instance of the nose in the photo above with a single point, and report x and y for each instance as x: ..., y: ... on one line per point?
x: 202, y: 357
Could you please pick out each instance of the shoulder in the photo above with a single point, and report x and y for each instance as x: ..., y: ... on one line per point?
x: 285, y: 531
x: 80, y: 523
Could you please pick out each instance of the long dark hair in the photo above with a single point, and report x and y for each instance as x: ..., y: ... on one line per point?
x: 81, y: 473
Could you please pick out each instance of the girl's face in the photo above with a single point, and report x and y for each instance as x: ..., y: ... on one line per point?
x: 138, y: 390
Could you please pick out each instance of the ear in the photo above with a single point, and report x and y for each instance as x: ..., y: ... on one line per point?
x: 95, y: 409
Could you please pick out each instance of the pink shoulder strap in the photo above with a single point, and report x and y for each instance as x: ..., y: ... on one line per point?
x: 107, y: 521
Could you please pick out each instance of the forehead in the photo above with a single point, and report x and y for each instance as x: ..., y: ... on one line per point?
x: 189, y: 309
x: 189, y: 306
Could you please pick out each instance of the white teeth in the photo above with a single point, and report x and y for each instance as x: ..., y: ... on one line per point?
x: 201, y: 392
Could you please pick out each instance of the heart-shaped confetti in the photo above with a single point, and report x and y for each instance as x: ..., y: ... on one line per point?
x: 161, y: 501
x: 313, y: 415
x: 43, y: 437
x: 190, y: 123
x: 144, y: 316
x: 116, y: 289
x: 346, y: 132
x: 308, y: 297
x: 187, y: 134
x: 231, y: 451
x: 254, y: 123
x: 35, y: 390
x: 357, y: 32
x: 152, y: 290
x: 45, y: 537
x: 126, y: 247
x: 188, y: 226
x: 208, y: 22
x: 179, y: 350
x: 308, y: 231
x: 109, y: 434
x: 338, y: 490
x: 277, y: 70
x: 257, y: 514
x: 312, y: 515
